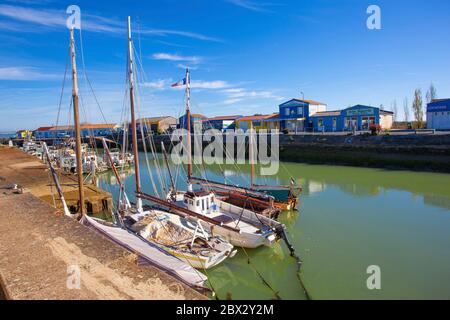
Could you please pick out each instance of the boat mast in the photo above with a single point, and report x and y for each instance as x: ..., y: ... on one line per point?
x: 251, y: 156
x: 166, y: 160
x: 76, y: 122
x: 133, y: 117
x: 188, y: 124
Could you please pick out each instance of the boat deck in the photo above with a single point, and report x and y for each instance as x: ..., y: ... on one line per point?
x: 228, y: 220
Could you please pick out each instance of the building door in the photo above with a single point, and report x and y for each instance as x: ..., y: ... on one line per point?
x: 365, y: 123
x: 354, y: 125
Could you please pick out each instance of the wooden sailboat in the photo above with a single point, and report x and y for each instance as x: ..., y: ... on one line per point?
x: 149, y: 252
x: 265, y: 199
x: 185, y: 239
x: 239, y: 225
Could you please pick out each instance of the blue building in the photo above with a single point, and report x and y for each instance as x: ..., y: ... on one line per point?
x: 68, y: 131
x: 196, y: 122
x: 295, y: 114
x: 221, y: 123
x: 438, y: 114
x: 356, y: 118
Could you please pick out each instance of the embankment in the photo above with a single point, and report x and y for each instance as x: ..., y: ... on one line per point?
x: 412, y: 152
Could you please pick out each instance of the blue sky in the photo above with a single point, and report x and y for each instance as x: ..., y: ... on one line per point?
x: 246, y: 56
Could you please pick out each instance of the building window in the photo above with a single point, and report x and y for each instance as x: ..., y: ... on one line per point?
x: 320, y: 122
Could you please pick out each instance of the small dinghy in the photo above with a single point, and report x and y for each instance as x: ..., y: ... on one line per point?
x: 180, y: 237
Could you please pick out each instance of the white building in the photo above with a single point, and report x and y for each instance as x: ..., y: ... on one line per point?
x: 438, y: 114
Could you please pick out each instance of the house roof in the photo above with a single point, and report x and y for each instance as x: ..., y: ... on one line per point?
x: 197, y: 115
x: 98, y: 126
x: 304, y: 101
x: 83, y: 126
x: 257, y: 117
x: 438, y: 101
x: 273, y: 116
x: 154, y: 119
x: 44, y: 128
x: 327, y: 114
x: 222, y: 118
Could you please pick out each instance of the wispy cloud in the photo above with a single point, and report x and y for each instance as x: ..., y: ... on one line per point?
x: 219, y: 84
x: 162, y: 84
x: 158, y: 84
x: 51, y: 18
x: 252, y: 5
x: 185, y: 66
x: 23, y: 73
x: 176, y: 57
x: 166, y: 32
x: 240, y: 94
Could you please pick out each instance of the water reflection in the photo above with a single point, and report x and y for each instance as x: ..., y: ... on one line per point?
x: 358, y: 182
x: 349, y: 217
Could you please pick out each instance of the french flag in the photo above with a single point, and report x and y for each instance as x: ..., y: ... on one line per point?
x: 179, y: 83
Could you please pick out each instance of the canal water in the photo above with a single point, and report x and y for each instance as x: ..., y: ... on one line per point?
x: 349, y: 219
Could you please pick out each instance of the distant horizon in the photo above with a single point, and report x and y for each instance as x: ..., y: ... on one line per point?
x: 245, y: 57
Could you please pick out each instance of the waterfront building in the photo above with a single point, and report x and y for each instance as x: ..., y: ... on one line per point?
x: 221, y: 123
x: 258, y: 122
x: 68, y: 131
x: 295, y: 114
x: 438, y: 114
x: 196, y: 122
x: 23, y: 134
x: 356, y: 118
x: 272, y: 122
x: 157, y: 124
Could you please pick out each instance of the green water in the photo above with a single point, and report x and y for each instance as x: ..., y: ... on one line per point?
x: 349, y: 218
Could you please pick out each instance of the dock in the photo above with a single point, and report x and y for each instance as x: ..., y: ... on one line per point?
x: 29, y: 172
x: 46, y: 255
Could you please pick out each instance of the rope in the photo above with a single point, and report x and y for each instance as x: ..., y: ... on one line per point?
x: 63, y: 86
x: 264, y: 281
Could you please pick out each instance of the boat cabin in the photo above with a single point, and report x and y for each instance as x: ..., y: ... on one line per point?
x: 200, y: 201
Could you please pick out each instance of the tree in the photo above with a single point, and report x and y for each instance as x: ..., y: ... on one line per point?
x: 431, y: 93
x: 395, y: 110
x: 418, y: 108
x: 406, y: 109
